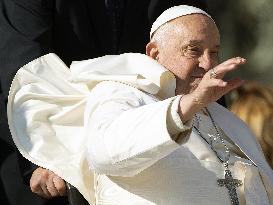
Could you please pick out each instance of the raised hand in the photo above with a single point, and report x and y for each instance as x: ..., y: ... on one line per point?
x: 211, y: 88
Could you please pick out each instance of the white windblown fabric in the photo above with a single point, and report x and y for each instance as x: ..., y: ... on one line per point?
x: 47, y: 102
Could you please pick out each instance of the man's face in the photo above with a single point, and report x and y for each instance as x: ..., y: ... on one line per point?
x: 189, y: 50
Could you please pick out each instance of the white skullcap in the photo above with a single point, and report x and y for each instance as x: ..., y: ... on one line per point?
x: 175, y: 12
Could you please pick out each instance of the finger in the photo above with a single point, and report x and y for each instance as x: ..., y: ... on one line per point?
x: 221, y: 87
x: 37, y: 183
x: 51, y: 187
x: 228, y: 66
x: 234, y: 83
x: 237, y: 60
x: 226, y: 87
x: 231, y: 66
x: 37, y: 189
x: 59, y: 185
x: 45, y: 193
x: 215, y: 82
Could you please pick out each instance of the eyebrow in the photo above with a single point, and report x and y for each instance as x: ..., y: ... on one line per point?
x: 195, y: 42
x: 199, y: 42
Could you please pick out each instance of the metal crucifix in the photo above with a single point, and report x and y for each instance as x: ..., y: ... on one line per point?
x: 231, y: 185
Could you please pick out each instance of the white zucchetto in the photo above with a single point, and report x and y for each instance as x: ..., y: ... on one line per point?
x: 175, y: 12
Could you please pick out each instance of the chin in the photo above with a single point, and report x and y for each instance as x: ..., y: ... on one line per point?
x: 182, y: 91
x: 184, y: 88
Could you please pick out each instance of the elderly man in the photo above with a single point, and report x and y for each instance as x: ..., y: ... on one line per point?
x: 151, y: 132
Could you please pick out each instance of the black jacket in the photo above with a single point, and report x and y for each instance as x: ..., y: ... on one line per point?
x: 74, y: 30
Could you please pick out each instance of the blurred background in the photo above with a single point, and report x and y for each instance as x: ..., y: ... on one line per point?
x: 246, y: 28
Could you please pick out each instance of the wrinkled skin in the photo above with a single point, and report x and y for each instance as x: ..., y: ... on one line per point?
x: 188, y: 46
x: 47, y: 184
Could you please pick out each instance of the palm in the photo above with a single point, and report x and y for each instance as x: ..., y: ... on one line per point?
x: 211, y: 89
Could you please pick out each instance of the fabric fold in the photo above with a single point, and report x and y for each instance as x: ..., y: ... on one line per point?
x: 48, y: 111
x: 47, y: 102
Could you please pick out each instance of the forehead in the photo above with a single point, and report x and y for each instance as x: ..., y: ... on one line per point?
x: 195, y: 28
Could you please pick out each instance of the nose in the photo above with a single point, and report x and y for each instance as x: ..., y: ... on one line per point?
x: 206, y: 62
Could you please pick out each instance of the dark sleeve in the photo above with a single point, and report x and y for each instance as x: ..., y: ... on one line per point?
x: 25, y: 30
x: 26, y: 168
x: 25, y: 34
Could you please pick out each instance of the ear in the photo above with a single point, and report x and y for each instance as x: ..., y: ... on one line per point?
x: 152, y: 50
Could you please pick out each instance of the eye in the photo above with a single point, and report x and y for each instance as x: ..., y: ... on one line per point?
x: 193, y: 50
x: 214, y: 54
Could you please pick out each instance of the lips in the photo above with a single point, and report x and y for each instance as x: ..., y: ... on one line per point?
x: 197, y: 76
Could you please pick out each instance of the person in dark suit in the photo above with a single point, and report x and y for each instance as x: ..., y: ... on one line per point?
x: 74, y: 30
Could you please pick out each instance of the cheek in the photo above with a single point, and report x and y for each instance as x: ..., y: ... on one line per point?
x: 181, y: 66
x: 186, y: 69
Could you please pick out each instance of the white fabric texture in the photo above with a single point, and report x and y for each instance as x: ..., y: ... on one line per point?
x: 174, y: 124
x: 47, y: 102
x: 136, y: 167
x: 175, y: 12
x: 67, y: 120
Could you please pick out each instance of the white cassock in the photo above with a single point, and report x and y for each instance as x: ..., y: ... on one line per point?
x: 109, y: 126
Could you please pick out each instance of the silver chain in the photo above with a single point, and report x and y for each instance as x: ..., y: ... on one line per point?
x: 229, y: 182
x: 225, y: 160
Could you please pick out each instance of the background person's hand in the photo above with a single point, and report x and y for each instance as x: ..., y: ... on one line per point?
x: 47, y: 184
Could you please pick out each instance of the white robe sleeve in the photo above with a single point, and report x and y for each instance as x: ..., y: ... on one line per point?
x: 125, y: 135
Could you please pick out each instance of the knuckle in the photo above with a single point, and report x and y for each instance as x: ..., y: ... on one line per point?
x: 61, y: 190
x: 34, y: 186
x: 232, y: 66
x: 44, y: 174
x: 53, y: 193
x: 60, y: 186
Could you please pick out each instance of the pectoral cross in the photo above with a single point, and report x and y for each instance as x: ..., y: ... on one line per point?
x: 231, y: 185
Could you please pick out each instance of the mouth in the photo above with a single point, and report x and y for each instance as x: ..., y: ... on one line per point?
x: 198, y: 76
